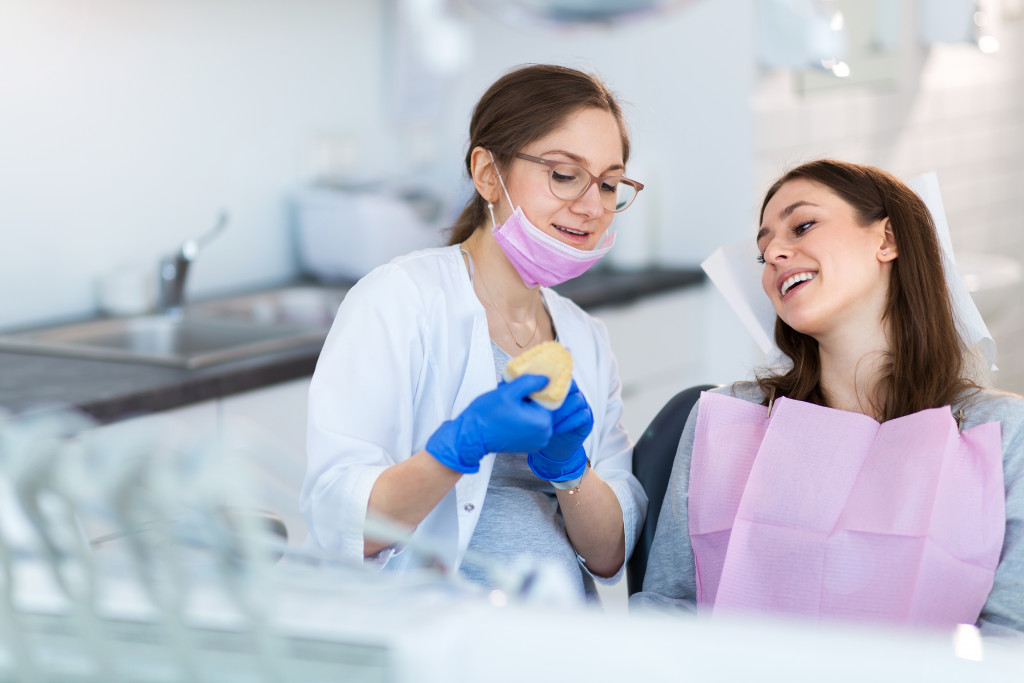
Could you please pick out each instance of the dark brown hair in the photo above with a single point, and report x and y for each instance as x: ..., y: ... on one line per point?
x: 925, y: 367
x: 522, y: 106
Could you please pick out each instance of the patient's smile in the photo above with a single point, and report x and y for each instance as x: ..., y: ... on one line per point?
x: 792, y: 281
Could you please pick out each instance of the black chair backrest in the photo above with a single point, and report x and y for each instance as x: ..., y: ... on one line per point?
x: 653, y: 456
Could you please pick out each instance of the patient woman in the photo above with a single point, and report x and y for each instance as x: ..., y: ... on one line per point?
x: 869, y: 479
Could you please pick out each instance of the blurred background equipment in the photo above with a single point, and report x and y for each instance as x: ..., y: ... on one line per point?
x: 343, y: 232
x: 139, y: 554
x: 577, y: 12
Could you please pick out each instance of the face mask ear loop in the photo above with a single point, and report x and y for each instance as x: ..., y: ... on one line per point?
x: 504, y: 189
x: 490, y: 207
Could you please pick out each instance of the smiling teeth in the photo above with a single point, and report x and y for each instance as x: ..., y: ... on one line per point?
x: 571, y: 231
x: 794, y: 280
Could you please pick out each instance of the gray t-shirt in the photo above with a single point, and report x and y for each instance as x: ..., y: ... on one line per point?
x: 670, y: 582
x: 521, y: 517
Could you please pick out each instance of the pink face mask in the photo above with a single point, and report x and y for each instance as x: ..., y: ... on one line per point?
x: 539, y: 258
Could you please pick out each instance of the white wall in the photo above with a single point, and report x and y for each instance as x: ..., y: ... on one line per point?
x: 685, y: 79
x: 126, y: 126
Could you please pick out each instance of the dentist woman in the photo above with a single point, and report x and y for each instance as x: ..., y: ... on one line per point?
x: 408, y: 419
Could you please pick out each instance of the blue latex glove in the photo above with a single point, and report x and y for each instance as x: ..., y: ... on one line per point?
x: 503, y: 420
x: 563, y: 458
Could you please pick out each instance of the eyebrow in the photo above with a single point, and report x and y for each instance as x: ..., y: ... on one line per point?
x: 785, y: 213
x: 582, y: 161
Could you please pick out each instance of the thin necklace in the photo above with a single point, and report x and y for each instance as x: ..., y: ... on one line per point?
x: 494, y: 305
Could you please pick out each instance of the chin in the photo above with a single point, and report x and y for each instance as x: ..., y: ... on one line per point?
x: 801, y: 325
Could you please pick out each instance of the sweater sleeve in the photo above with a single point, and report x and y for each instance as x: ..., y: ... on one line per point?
x: 1003, y: 613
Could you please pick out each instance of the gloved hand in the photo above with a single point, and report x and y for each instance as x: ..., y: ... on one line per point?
x: 503, y: 420
x: 563, y: 458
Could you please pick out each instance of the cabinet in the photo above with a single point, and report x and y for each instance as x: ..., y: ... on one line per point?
x: 653, y: 343
x: 261, y: 437
x: 265, y: 434
x: 149, y: 437
x: 671, y: 341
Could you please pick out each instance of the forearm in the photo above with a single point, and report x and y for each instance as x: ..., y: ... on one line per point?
x: 593, y: 521
x: 406, y: 492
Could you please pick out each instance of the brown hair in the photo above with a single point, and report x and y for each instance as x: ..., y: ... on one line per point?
x: 925, y: 364
x: 522, y: 106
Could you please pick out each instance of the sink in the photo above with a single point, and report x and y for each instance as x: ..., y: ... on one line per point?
x: 303, y: 305
x: 208, y: 332
x: 188, y: 341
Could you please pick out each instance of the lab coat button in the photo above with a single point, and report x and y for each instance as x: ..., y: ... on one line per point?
x: 469, y: 507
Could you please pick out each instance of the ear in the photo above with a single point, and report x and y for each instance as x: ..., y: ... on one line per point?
x: 887, y: 250
x: 485, y: 175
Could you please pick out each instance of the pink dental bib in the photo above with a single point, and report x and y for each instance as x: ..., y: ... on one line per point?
x: 824, y: 513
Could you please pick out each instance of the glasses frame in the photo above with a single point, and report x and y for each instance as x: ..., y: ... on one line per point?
x: 552, y: 164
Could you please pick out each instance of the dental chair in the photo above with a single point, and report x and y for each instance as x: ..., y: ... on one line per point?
x: 652, y: 464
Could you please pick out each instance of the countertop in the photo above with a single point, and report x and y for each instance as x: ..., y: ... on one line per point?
x: 110, y: 391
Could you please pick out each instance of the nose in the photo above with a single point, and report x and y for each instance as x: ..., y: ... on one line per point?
x: 777, y: 250
x: 589, y: 203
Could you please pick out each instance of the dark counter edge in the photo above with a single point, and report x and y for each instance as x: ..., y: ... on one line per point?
x: 262, y: 371
x: 147, y: 389
x: 110, y: 391
x: 619, y: 287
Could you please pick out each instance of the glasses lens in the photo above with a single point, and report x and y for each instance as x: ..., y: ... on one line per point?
x: 568, y: 181
x: 622, y: 197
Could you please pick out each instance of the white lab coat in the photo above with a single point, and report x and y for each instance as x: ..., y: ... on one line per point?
x: 408, y: 350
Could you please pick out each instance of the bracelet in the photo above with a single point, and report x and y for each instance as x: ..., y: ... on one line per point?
x: 573, y: 485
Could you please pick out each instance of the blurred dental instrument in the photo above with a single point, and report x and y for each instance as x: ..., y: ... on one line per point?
x: 137, y: 552
x: 528, y: 580
x: 31, y: 450
x: 172, y: 508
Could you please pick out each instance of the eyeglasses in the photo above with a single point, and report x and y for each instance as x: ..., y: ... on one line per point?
x: 571, y: 181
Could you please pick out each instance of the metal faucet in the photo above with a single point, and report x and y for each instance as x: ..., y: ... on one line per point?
x: 174, y: 268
